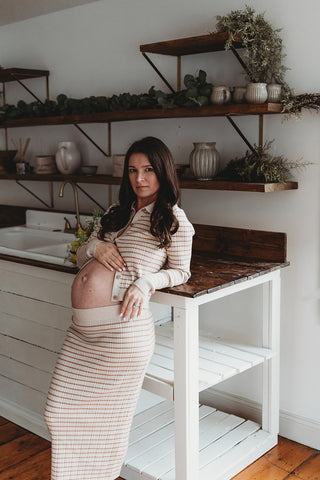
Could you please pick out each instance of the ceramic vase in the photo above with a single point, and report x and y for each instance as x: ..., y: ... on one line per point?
x: 204, y: 160
x: 238, y: 95
x: 274, y: 92
x: 68, y: 157
x: 256, y: 93
x: 220, y: 95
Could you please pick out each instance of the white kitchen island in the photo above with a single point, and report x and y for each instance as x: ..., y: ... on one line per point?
x: 172, y: 438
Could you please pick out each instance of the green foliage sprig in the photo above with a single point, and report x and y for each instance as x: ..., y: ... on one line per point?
x: 196, y: 94
x: 263, y: 167
x: 262, y: 44
x: 293, y: 104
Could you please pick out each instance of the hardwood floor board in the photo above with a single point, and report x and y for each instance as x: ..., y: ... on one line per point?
x: 310, y: 469
x: 10, y: 431
x: 261, y: 469
x: 25, y: 456
x: 20, y: 449
x: 34, y: 468
x: 288, y: 454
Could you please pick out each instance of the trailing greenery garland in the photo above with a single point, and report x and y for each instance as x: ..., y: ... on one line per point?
x: 262, y: 44
x: 196, y: 94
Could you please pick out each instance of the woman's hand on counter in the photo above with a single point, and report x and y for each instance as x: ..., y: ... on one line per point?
x: 132, y: 303
x: 108, y: 254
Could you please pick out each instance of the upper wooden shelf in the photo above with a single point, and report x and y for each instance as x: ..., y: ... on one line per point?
x: 12, y: 74
x: 191, y: 184
x: 154, y: 113
x: 213, y: 42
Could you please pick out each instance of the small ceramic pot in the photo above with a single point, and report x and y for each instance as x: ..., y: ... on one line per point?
x: 204, y: 160
x: 220, y: 95
x: 256, y: 93
x: 238, y: 95
x: 274, y: 92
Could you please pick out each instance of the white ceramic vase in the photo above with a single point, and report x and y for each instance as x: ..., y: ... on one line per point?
x: 220, y: 95
x: 256, y: 93
x: 238, y: 95
x: 204, y: 160
x: 274, y: 92
x: 68, y: 158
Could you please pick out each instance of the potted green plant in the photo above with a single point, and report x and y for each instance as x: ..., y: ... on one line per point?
x: 262, y: 45
x: 261, y: 166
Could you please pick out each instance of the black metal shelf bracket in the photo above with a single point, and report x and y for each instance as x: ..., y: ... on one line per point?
x: 244, y: 138
x: 158, y: 72
x: 90, y: 197
x: 51, y: 205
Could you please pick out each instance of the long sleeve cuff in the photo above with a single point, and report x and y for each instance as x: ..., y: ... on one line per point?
x: 145, y: 286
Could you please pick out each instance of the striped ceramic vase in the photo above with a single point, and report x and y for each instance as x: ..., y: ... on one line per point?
x: 204, y: 160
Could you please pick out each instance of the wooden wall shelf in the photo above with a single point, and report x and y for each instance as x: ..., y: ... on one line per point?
x: 191, y: 184
x: 12, y: 74
x: 213, y: 42
x: 147, y: 114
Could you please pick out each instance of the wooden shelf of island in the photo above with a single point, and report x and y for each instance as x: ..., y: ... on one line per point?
x: 148, y: 114
x: 185, y: 183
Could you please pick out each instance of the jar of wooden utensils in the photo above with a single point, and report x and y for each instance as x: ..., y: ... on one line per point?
x: 21, y: 166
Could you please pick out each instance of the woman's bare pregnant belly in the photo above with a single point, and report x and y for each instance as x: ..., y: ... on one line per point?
x: 92, y: 286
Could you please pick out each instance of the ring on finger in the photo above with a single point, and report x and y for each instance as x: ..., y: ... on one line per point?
x: 135, y: 306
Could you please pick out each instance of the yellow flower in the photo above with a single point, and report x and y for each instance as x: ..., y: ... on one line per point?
x: 73, y: 258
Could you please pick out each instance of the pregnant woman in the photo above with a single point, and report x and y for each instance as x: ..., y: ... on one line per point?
x: 142, y: 244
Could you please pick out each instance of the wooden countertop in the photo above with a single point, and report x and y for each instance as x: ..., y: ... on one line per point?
x: 207, y: 274
x: 222, y: 256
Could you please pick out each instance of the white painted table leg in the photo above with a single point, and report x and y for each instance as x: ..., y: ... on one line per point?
x: 186, y: 391
x: 271, y: 339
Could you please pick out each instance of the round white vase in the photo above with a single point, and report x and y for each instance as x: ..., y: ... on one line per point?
x: 204, y: 160
x: 68, y: 158
x: 256, y: 93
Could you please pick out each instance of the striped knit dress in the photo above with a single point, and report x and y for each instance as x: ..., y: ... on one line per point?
x: 94, y: 391
x: 102, y: 363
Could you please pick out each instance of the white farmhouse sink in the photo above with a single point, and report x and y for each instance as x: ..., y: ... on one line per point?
x: 44, y: 245
x: 42, y: 238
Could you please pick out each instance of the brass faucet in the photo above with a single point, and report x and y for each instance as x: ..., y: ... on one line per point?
x: 76, y: 201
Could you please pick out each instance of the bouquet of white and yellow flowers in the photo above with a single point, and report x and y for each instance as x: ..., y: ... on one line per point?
x: 81, y: 236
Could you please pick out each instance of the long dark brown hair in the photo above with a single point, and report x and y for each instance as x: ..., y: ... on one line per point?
x: 163, y: 221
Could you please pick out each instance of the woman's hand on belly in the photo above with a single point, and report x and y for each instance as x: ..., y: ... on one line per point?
x: 108, y: 254
x: 132, y: 303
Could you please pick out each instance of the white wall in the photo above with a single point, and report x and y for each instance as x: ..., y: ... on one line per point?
x: 94, y: 50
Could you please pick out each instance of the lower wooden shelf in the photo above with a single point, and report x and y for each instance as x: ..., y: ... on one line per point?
x: 227, y: 444
x: 218, y: 360
x: 183, y: 183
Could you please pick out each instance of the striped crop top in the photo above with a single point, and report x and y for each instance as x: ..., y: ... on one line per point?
x: 149, y: 267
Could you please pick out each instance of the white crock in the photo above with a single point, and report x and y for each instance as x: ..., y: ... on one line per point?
x: 256, y: 93
x: 68, y: 157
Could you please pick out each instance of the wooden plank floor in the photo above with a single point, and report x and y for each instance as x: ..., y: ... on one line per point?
x: 25, y: 456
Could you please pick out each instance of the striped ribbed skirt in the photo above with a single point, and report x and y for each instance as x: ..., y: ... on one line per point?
x: 94, y: 391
